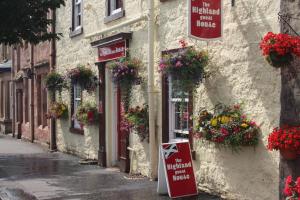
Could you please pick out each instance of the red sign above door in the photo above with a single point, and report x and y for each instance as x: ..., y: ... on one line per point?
x: 112, y: 51
x: 179, y: 171
x: 205, y: 19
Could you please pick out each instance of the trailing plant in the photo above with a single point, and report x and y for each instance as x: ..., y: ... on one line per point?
x: 228, y: 126
x: 57, y: 110
x: 87, y: 113
x: 292, y: 189
x: 125, y: 74
x: 139, y: 118
x: 186, y: 66
x: 287, y: 137
x: 280, y: 48
x: 84, y: 77
x: 55, y: 82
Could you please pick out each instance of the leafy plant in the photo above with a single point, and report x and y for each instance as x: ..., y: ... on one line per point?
x: 87, y: 113
x: 125, y: 74
x: 55, y: 82
x: 292, y: 188
x: 280, y: 48
x: 57, y: 110
x: 84, y: 77
x: 139, y: 118
x: 227, y: 126
x: 186, y: 67
x: 287, y: 137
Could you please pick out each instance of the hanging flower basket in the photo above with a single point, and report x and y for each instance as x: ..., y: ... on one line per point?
x: 87, y: 114
x: 292, y: 188
x: 125, y: 74
x: 287, y: 140
x: 84, y: 77
x: 139, y: 118
x: 57, y: 110
x: 227, y: 126
x: 55, y: 82
x: 279, y: 49
x: 186, y: 66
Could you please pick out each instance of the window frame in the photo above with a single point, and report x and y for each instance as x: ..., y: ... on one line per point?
x: 77, y: 27
x: 113, y: 10
x: 74, y: 106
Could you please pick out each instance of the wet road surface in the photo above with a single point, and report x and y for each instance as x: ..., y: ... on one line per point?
x: 29, y: 172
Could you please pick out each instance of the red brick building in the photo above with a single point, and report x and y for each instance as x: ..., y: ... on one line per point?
x: 31, y: 63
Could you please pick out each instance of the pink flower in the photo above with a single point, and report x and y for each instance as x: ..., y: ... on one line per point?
x: 178, y: 64
x: 224, y: 131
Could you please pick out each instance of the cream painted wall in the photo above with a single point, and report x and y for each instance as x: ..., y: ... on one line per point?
x: 239, y: 74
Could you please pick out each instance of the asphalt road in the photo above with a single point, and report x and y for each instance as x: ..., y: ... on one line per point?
x: 29, y: 172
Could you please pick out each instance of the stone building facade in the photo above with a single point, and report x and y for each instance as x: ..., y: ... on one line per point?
x: 5, y: 90
x: 238, y: 74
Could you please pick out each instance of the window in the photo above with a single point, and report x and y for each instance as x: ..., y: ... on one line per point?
x: 76, y: 18
x: 76, y: 102
x: 114, y: 10
x: 178, y: 112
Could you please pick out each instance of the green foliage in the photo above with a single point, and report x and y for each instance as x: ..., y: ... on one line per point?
x: 55, y: 82
x: 227, y: 126
x: 85, y: 77
x: 139, y: 118
x: 87, y: 113
x: 26, y: 20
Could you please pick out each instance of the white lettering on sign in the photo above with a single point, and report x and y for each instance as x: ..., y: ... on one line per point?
x: 108, y: 51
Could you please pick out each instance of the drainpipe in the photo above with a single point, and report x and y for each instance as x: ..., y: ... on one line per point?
x: 53, y: 146
x: 32, y: 96
x: 151, y: 92
x: 13, y: 101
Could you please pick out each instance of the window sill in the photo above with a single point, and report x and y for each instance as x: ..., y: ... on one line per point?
x: 76, y: 32
x: 114, y: 17
x: 77, y: 131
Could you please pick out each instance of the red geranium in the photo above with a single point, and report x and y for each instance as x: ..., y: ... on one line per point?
x: 285, y: 138
x: 279, y: 48
x: 292, y: 189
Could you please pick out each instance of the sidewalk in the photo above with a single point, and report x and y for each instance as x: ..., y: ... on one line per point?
x: 29, y: 172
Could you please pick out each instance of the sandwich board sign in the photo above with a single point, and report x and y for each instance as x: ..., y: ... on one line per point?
x: 205, y: 19
x: 175, y: 171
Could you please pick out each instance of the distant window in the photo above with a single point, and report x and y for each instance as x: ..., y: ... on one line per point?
x: 76, y: 28
x: 77, y: 98
x: 114, y: 10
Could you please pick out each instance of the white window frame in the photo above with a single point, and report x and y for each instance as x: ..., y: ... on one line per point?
x: 113, y: 7
x: 76, y: 14
x: 172, y: 114
x: 77, y: 100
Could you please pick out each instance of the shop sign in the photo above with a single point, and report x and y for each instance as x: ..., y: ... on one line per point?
x: 112, y: 51
x: 205, y: 19
x: 176, y: 174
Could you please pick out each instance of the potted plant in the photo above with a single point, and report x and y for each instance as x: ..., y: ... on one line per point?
x: 125, y: 74
x: 186, y: 66
x: 139, y: 119
x: 84, y: 77
x: 287, y: 140
x: 228, y: 126
x: 279, y: 49
x: 87, y: 113
x: 292, y: 189
x: 57, y: 110
x: 55, y: 82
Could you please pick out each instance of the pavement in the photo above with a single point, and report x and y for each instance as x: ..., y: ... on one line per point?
x: 30, y: 172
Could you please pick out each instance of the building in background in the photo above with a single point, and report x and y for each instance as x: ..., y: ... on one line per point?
x: 5, y: 90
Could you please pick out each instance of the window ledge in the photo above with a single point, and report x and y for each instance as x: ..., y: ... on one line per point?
x: 76, y: 131
x: 114, y: 16
x: 76, y: 32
